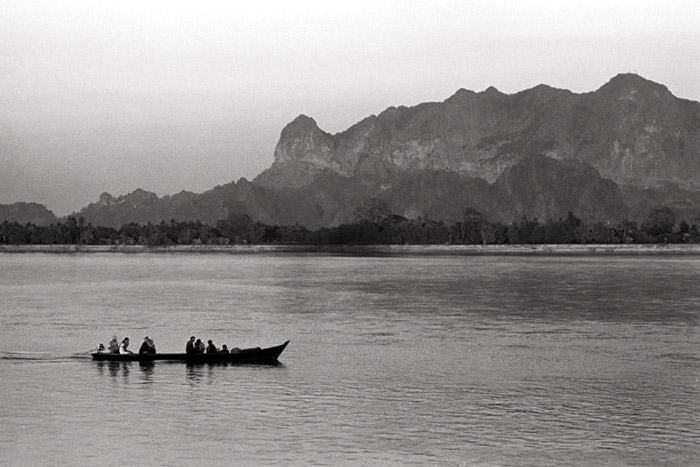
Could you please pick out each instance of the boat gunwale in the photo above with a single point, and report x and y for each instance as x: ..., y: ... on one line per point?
x: 253, y: 355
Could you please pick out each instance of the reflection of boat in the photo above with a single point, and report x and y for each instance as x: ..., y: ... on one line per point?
x: 254, y: 355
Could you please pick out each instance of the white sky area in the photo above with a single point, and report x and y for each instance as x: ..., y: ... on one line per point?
x: 164, y: 95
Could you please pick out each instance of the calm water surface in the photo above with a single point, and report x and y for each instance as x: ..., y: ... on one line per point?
x: 392, y: 361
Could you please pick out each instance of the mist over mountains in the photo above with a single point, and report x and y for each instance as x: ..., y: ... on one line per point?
x: 615, y: 153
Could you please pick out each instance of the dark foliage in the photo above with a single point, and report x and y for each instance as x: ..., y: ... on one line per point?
x: 659, y: 227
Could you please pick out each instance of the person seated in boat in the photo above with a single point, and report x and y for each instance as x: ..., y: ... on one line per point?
x: 224, y: 349
x: 211, y: 348
x: 189, y: 347
x: 113, y: 346
x: 148, y: 346
x: 124, y: 346
x: 101, y: 348
x: 199, y: 346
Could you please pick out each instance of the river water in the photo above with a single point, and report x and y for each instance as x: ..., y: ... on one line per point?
x: 401, y: 360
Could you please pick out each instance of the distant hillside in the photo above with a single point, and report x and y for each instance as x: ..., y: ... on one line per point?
x: 27, y: 212
x: 620, y: 151
x: 536, y: 187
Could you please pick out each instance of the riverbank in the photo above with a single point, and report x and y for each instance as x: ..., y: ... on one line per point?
x: 368, y: 250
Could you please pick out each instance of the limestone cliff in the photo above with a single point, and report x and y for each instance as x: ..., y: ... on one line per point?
x: 631, y: 130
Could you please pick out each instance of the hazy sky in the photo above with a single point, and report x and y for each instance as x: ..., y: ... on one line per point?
x: 111, y: 96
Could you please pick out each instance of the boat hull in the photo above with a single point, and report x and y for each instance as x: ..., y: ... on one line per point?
x: 254, y: 355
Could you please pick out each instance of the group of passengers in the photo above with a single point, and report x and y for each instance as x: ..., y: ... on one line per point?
x: 197, y: 346
x: 123, y: 348
x: 148, y: 347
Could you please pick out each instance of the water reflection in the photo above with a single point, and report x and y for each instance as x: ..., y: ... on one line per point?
x: 114, y: 369
x: 122, y: 370
x: 195, y: 373
x: 147, y: 369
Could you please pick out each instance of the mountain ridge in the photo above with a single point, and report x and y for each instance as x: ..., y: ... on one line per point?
x: 481, y: 134
x: 607, y: 154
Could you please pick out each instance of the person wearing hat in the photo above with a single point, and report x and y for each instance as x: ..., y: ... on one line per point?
x: 147, y: 347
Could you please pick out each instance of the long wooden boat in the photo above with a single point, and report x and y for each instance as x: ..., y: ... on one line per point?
x: 254, y: 355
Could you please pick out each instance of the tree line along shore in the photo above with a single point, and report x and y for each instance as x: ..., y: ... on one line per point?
x: 375, y: 225
x: 373, y: 250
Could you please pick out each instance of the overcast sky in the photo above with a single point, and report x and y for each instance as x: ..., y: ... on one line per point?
x: 112, y: 96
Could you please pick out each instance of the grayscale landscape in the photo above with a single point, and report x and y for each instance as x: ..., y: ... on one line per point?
x: 476, y: 223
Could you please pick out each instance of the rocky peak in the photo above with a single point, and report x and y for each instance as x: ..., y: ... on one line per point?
x: 542, y: 95
x: 491, y: 91
x: 140, y: 193
x: 303, y: 140
x: 181, y: 196
x: 462, y: 95
x: 138, y: 197
x: 629, y: 86
x: 301, y: 123
x: 107, y: 200
x: 243, y: 185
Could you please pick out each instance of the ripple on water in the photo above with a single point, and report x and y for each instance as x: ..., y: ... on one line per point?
x: 394, y: 361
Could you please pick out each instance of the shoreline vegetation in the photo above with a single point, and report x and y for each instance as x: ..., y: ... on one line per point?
x: 370, y: 250
x: 376, y: 231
